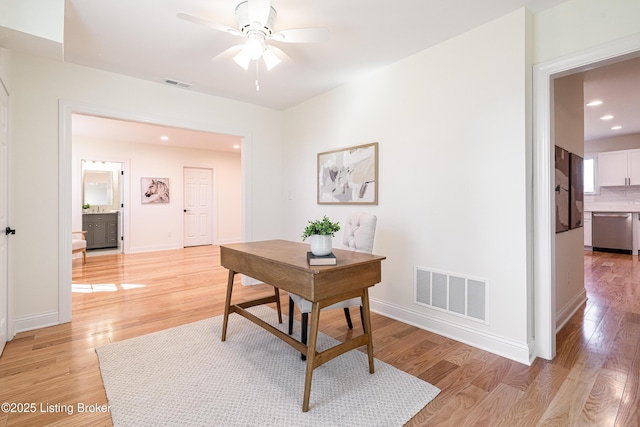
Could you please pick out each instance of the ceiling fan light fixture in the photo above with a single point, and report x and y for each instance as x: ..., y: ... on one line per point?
x: 251, y: 51
x: 243, y: 59
x: 256, y: 20
x: 254, y: 48
x: 270, y: 59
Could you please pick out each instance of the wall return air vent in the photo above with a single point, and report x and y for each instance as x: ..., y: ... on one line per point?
x: 172, y: 82
x: 453, y: 293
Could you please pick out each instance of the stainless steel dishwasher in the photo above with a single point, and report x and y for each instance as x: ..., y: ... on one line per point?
x: 612, y: 231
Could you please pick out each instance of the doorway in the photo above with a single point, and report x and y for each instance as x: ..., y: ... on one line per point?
x: 103, y: 209
x: 544, y: 249
x: 66, y: 112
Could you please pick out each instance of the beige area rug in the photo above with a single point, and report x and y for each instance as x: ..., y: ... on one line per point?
x: 185, y: 376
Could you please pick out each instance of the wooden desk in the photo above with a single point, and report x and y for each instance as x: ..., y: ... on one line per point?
x: 283, y: 265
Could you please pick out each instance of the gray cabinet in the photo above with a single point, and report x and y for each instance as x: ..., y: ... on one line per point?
x: 102, y: 230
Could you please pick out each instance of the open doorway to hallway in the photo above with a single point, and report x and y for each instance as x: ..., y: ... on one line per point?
x: 545, y: 252
x: 594, y: 117
x: 144, y: 151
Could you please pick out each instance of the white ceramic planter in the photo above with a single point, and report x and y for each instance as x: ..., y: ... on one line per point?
x: 321, y: 245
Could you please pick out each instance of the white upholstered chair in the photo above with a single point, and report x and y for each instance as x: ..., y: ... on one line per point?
x: 358, y: 234
x: 79, y: 244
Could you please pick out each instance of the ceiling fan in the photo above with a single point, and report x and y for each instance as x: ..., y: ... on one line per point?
x: 256, y: 20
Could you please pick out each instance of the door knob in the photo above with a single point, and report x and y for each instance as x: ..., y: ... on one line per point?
x: 9, y: 230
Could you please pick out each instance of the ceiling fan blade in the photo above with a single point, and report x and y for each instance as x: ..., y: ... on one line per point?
x: 280, y: 54
x: 228, y: 53
x: 302, y: 35
x: 259, y: 10
x: 207, y: 23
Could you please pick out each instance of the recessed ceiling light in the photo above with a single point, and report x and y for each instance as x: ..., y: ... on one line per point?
x: 607, y: 117
x: 164, y: 138
x: 616, y: 128
x: 236, y: 146
x: 594, y: 103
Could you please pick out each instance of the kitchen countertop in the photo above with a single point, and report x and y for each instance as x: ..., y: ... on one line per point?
x: 100, y: 213
x: 613, y: 208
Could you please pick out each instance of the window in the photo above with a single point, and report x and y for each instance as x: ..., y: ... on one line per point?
x: 589, y: 169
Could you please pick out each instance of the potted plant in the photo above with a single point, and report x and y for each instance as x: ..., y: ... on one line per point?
x: 320, y: 232
x: 86, y: 207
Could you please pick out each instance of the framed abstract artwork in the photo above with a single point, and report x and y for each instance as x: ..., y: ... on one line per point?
x: 561, y: 189
x: 576, y: 191
x: 349, y: 175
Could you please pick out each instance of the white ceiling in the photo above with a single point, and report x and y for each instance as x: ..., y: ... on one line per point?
x: 145, y: 39
x: 105, y: 129
x: 618, y: 87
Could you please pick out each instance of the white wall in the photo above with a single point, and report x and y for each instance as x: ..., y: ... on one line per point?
x: 622, y: 142
x: 4, y: 67
x: 569, y: 134
x: 41, y: 18
x: 150, y: 225
x: 38, y: 86
x: 452, y: 126
x: 35, y: 26
x: 577, y: 25
x: 438, y: 204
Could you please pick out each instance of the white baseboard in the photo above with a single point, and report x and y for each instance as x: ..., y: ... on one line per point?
x: 520, y: 352
x: 141, y: 249
x: 35, y: 321
x: 570, y: 309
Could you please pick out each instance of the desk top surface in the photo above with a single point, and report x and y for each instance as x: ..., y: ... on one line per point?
x: 294, y: 254
x: 284, y: 264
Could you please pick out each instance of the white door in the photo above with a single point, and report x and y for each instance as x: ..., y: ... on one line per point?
x: 197, y: 207
x: 4, y: 247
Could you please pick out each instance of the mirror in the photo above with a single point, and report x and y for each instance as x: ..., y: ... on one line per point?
x: 98, y: 187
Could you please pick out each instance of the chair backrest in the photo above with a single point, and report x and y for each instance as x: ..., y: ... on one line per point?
x: 359, y: 231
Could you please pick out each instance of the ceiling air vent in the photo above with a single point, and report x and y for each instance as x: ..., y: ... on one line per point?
x: 177, y: 83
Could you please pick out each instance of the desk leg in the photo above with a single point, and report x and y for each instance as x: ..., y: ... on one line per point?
x: 369, y: 330
x: 227, y: 304
x: 311, y: 354
x: 278, y: 307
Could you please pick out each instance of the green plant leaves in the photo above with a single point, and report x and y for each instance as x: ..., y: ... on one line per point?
x: 322, y: 226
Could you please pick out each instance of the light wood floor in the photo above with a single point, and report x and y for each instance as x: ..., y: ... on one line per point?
x: 593, y: 381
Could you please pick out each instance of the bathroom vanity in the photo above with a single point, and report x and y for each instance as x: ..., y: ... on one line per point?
x: 102, y: 230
